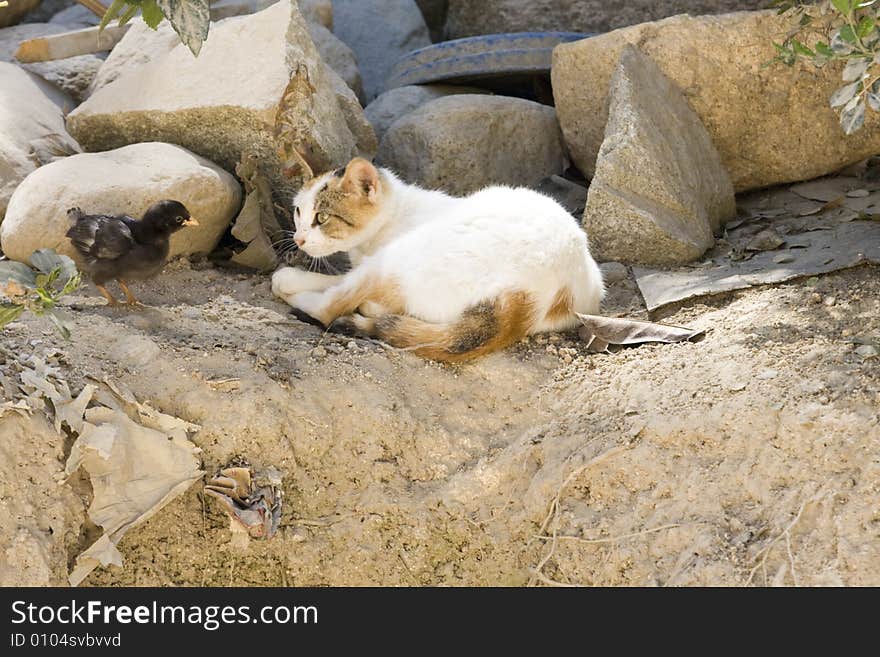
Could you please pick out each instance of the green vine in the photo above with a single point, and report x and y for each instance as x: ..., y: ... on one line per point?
x: 839, y: 30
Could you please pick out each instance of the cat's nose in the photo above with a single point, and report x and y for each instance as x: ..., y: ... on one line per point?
x: 299, y: 240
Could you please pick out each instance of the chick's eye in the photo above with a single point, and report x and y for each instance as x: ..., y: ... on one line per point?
x: 178, y: 219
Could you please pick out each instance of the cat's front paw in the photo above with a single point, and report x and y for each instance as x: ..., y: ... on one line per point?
x: 286, y: 282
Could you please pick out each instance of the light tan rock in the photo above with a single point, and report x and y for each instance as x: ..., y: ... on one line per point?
x: 465, y: 142
x: 31, y: 125
x: 225, y: 101
x: 770, y: 124
x: 660, y: 188
x: 138, y: 47
x: 472, y: 17
x: 72, y: 75
x: 127, y: 180
x: 398, y: 102
x: 15, y: 11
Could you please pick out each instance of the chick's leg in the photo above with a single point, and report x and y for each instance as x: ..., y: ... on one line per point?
x: 111, y: 300
x: 130, y: 298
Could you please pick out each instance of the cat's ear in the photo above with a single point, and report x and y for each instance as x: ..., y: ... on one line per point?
x: 361, y: 178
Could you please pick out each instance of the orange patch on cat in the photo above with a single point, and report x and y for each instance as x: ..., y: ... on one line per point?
x: 562, y: 306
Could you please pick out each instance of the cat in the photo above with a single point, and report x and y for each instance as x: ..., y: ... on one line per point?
x: 449, y: 278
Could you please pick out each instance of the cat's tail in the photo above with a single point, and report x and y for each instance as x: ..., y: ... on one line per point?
x: 484, y: 328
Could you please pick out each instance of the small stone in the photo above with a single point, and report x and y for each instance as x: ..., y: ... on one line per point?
x: 319, y: 352
x: 867, y: 351
x: 783, y: 258
x: 766, y: 375
x: 829, y: 301
x: 352, y: 345
x: 815, y: 297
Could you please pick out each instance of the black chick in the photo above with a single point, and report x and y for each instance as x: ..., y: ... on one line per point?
x: 121, y: 247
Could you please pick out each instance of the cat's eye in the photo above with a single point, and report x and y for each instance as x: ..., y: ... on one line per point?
x: 323, y: 218
x: 296, y: 212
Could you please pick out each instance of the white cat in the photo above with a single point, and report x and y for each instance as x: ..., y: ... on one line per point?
x: 449, y: 278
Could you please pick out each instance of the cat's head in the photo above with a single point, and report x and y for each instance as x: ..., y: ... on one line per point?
x: 337, y: 211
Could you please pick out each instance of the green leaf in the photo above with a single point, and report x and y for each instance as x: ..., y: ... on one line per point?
x: 112, y: 12
x: 866, y: 25
x: 848, y: 34
x: 823, y: 49
x: 801, y: 49
x: 18, y: 272
x: 853, y: 117
x: 843, y: 6
x: 128, y: 14
x: 9, y: 312
x: 191, y: 19
x: 151, y: 13
x: 844, y: 95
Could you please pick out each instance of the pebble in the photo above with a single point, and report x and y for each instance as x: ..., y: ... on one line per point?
x: 867, y: 351
x: 767, y: 374
x: 783, y: 258
x: 318, y: 352
x: 191, y: 313
x: 352, y: 345
x: 830, y: 301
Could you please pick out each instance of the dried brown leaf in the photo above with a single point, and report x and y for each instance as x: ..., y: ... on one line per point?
x: 600, y: 332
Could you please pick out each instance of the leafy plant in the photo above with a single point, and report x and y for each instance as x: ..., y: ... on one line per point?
x: 37, y: 290
x: 191, y: 19
x: 839, y: 30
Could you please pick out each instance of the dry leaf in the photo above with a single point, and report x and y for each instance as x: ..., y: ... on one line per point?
x: 135, y: 470
x: 599, y: 332
x: 256, y: 224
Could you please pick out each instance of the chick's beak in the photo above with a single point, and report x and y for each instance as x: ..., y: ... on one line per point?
x: 191, y: 222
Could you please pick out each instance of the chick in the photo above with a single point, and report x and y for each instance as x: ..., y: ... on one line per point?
x: 120, y: 247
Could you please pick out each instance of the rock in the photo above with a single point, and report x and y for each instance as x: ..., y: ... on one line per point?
x: 379, y: 32
x: 472, y: 17
x: 126, y: 180
x: 15, y: 11
x: 46, y: 9
x: 271, y: 76
x: 138, y: 47
x: 614, y: 272
x: 465, y: 142
x: 395, y: 103
x: 660, y: 188
x: 337, y: 56
x: 349, y: 104
x: 25, y: 134
x: 569, y: 194
x: 757, y: 115
x: 75, y: 17
x: 72, y: 75
x: 227, y: 8
x: 434, y: 13
x: 317, y: 11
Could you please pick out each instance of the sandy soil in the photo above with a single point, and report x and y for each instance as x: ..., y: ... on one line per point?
x: 749, y: 457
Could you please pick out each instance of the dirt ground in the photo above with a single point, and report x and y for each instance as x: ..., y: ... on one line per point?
x: 750, y: 457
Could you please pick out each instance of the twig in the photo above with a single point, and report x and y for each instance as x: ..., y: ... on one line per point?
x: 553, y: 513
x: 610, y: 539
x: 551, y: 582
x: 785, y: 533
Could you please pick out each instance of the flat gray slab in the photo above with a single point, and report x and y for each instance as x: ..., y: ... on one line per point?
x: 815, y: 252
x: 478, y: 58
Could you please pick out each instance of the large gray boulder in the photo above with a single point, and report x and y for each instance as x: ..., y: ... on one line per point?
x: 472, y: 17
x: 660, y: 189
x: 73, y: 75
x: 257, y: 81
x: 32, y: 128
x: 395, y: 103
x: 338, y: 56
x: 465, y: 142
x: 75, y: 17
x: 770, y: 124
x: 379, y: 32
x: 127, y: 180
